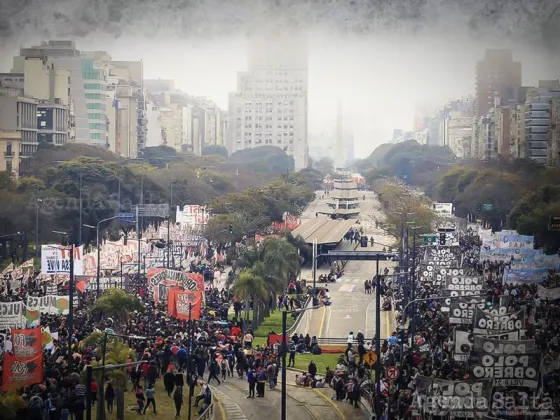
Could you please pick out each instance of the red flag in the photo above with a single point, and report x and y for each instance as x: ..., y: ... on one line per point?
x: 25, y: 365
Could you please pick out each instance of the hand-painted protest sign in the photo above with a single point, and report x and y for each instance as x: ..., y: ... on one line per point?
x: 551, y: 294
x: 24, y: 366
x: 161, y: 280
x: 515, y: 370
x: 182, y: 303
x: 485, y: 323
x: 11, y: 315
x: 55, y: 259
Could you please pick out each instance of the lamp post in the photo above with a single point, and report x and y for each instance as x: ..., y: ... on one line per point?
x: 37, y: 205
x: 70, y: 300
x: 284, y: 351
x: 98, y: 270
x: 169, y: 223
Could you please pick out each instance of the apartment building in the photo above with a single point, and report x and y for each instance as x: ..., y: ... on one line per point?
x: 270, y: 104
x: 9, y: 152
x: 88, y: 85
x: 538, y: 118
x: 496, y: 76
x: 19, y: 114
x: 554, y: 133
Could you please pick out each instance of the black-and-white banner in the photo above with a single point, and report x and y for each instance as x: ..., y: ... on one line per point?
x: 434, y: 275
x: 438, y: 397
x: 464, y: 342
x: 461, y: 311
x: 11, y: 315
x: 487, y: 323
x: 483, y: 344
x: 443, y: 256
x: 463, y: 285
x: 506, y: 369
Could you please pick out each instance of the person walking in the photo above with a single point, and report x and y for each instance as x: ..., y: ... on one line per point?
x: 213, y: 371
x: 252, y: 380
x: 292, y: 350
x: 150, y: 398
x: 169, y: 381
x: 261, y: 381
x: 178, y: 400
x: 109, y: 397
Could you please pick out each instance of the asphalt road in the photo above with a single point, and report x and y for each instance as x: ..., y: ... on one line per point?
x: 352, y: 309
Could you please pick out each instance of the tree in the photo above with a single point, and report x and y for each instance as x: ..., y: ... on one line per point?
x: 324, y: 165
x: 117, y: 304
x: 215, y: 150
x: 116, y: 352
x: 249, y: 285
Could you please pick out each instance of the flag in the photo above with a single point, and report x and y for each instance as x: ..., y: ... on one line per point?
x: 32, y: 317
x: 8, y: 269
x: 27, y: 264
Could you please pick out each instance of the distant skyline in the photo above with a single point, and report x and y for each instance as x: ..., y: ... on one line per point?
x: 380, y: 79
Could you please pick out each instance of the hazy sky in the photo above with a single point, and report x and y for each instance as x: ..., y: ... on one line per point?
x: 379, y: 77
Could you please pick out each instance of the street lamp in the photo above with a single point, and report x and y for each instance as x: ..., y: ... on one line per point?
x: 284, y: 350
x: 70, y: 298
x: 39, y: 200
x: 98, y: 273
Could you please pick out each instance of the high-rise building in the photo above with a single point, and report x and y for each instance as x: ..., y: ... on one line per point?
x: 497, y: 76
x: 270, y: 104
x: 88, y: 85
x: 554, y: 133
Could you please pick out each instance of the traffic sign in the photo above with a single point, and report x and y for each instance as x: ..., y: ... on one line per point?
x: 370, y: 357
x: 554, y: 224
x: 430, y: 239
x: 487, y: 207
x: 127, y: 217
x: 153, y: 210
x: 393, y: 373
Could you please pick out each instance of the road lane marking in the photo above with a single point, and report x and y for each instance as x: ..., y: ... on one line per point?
x: 322, y: 321
x: 368, y: 311
x: 347, y: 288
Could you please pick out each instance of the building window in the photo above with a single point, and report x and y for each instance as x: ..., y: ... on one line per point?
x: 96, y: 116
x: 95, y: 136
x: 94, y: 96
x: 92, y: 86
x: 95, y: 105
x: 97, y: 126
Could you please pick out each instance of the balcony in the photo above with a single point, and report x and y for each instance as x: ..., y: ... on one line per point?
x: 9, y: 154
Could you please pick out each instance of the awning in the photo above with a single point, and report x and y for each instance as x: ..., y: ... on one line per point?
x: 325, y: 231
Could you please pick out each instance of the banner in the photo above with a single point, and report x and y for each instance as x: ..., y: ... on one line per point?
x: 273, y: 338
x: 544, y: 293
x: 11, y: 315
x: 192, y: 216
x: 483, y: 344
x: 506, y: 369
x: 179, y: 302
x: 55, y: 259
x: 438, y: 397
x: 443, y: 256
x: 463, y: 286
x: 24, y: 366
x: 485, y: 323
x: 50, y: 304
x: 464, y: 342
x: 160, y: 280
x: 462, y: 311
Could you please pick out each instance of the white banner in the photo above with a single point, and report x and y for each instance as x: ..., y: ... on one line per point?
x: 55, y: 259
x: 193, y: 216
x: 443, y: 209
x: 545, y: 293
x: 50, y: 304
x: 11, y: 315
x: 464, y: 342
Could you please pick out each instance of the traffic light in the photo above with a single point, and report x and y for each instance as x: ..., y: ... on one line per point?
x: 479, y: 206
x: 363, y: 241
x: 231, y: 229
x: 442, y: 238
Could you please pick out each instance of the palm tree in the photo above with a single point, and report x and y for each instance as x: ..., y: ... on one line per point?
x: 282, y: 258
x: 117, y: 352
x: 304, y: 249
x: 249, y: 284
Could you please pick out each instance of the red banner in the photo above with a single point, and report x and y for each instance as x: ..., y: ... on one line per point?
x: 178, y: 303
x: 290, y: 222
x: 162, y: 280
x: 272, y: 338
x: 24, y: 366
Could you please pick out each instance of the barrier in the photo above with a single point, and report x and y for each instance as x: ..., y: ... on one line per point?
x: 366, y: 405
x: 208, y: 414
x: 302, y: 321
x: 339, y: 341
